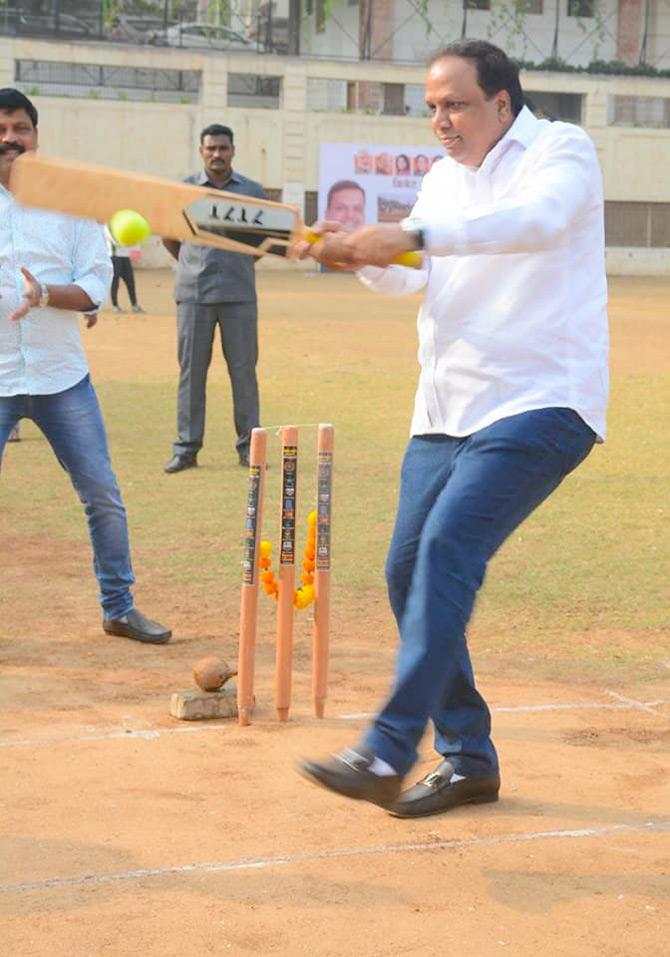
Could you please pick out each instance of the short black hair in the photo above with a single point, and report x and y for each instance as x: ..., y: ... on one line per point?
x: 12, y: 100
x: 340, y: 185
x: 495, y: 70
x: 216, y: 129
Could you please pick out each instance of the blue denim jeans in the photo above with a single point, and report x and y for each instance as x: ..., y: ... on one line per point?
x: 73, y: 425
x: 459, y: 500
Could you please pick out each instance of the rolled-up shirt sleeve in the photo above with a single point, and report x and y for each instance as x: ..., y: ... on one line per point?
x: 91, y: 264
x: 395, y: 280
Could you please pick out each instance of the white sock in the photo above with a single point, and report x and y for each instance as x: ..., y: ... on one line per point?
x: 381, y: 768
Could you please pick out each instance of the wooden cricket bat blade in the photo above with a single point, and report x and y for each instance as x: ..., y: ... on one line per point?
x: 179, y: 211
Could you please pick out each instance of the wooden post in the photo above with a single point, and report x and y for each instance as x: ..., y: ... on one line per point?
x: 287, y: 519
x: 250, y: 576
x: 320, y: 640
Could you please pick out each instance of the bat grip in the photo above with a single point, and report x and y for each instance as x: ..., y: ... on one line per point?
x: 413, y: 259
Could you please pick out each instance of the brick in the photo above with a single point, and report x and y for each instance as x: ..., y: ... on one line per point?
x: 197, y: 705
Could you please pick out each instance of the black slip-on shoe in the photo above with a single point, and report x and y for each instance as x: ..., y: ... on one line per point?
x: 187, y: 460
x: 438, y: 792
x: 348, y: 773
x: 135, y: 625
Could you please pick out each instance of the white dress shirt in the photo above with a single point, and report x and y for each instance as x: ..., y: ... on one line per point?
x: 514, y: 311
x: 42, y: 353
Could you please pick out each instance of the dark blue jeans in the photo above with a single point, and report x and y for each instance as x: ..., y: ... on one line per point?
x: 73, y: 425
x: 459, y: 500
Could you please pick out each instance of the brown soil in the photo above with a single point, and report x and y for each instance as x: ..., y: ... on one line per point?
x: 128, y: 833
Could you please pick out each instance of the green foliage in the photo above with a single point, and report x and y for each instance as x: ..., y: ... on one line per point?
x: 509, y: 17
x: 608, y: 67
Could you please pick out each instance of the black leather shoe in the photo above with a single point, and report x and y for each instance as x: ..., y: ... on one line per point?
x: 348, y: 773
x: 437, y: 793
x: 244, y: 459
x: 187, y: 460
x: 135, y: 625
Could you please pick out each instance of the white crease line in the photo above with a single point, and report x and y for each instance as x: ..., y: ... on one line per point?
x: 95, y: 879
x: 626, y: 704
x: 145, y: 735
x: 640, y: 705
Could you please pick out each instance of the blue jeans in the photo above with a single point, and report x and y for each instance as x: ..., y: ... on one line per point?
x: 459, y: 500
x: 73, y: 425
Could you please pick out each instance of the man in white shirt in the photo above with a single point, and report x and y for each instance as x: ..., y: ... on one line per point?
x: 512, y: 395
x: 53, y: 267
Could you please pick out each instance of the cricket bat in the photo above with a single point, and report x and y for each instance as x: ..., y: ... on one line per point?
x: 180, y: 211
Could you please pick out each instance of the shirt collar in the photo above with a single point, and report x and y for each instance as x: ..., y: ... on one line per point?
x: 204, y: 180
x: 523, y: 131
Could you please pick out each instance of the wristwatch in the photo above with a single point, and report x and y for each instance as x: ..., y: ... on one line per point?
x: 415, y: 228
x: 44, y: 296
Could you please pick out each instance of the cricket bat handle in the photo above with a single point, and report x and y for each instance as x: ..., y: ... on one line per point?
x: 412, y: 259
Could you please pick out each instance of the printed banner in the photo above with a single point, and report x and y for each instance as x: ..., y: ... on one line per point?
x: 361, y: 184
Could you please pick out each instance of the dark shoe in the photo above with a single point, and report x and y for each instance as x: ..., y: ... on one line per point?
x: 437, y: 793
x: 135, y: 625
x: 187, y: 460
x: 244, y: 460
x: 348, y: 773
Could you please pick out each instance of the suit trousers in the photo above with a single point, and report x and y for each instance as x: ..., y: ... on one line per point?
x: 238, y: 327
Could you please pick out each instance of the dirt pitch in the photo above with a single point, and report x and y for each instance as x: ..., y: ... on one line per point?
x: 127, y: 833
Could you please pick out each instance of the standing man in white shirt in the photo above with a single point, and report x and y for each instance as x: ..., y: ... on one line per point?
x: 52, y: 268
x: 512, y: 396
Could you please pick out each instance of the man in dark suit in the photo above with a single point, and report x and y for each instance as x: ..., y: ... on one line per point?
x: 215, y: 287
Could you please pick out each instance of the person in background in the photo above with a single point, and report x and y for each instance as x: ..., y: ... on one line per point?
x: 215, y: 288
x: 122, y: 265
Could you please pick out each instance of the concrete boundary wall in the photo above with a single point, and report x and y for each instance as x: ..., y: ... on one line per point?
x: 279, y: 147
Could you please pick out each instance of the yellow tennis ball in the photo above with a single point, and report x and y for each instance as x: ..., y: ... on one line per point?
x: 129, y: 228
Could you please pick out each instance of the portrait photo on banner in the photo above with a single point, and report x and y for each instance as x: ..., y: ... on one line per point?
x: 363, y: 183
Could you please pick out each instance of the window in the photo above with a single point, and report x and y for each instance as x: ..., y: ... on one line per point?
x: 644, y: 225
x: 581, y: 8
x: 534, y: 6
x: 394, y: 99
x: 250, y: 90
x: 54, y: 78
x: 476, y: 4
x: 555, y: 106
x: 649, y: 111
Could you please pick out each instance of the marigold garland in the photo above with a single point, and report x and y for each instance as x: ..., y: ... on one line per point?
x: 303, y: 596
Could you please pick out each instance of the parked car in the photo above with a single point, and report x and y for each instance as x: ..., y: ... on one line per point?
x: 129, y: 29
x: 206, y: 36
x: 48, y: 25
